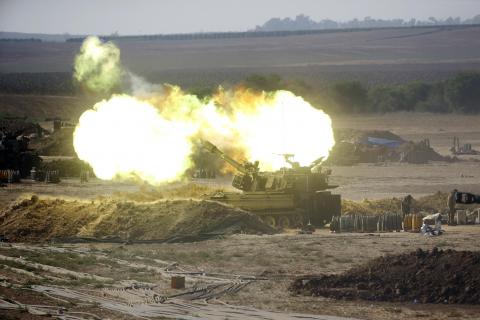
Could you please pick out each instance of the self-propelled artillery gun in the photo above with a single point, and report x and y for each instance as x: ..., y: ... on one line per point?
x: 290, y: 197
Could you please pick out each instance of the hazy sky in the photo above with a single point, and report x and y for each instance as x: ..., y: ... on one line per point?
x: 177, y: 16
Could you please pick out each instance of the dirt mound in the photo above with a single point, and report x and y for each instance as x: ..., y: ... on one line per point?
x: 370, y: 207
x: 427, y: 277
x: 148, y: 193
x: 432, y: 203
x: 420, y: 152
x: 44, y: 219
x: 352, y: 135
x: 357, y: 146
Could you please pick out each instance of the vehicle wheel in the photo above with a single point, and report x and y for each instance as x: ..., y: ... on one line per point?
x: 296, y: 221
x: 283, y: 222
x: 269, y: 220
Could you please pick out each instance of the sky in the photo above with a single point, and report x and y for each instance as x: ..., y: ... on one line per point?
x: 182, y: 16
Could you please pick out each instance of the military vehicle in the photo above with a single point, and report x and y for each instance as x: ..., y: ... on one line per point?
x: 290, y: 197
x: 15, y: 154
x: 466, y: 198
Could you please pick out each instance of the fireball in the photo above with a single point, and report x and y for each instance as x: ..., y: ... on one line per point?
x: 125, y: 137
x: 151, y: 136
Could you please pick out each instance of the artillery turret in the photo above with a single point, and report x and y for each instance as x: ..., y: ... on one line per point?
x: 289, y: 197
x: 15, y: 154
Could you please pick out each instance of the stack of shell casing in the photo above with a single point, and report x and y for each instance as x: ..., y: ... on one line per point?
x: 387, y: 222
x: 52, y: 176
x: 412, y: 222
x: 10, y: 176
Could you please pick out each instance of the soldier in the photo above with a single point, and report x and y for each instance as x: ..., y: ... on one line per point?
x: 83, y: 176
x: 451, y: 207
x: 406, y: 205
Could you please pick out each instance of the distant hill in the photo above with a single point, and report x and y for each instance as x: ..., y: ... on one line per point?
x: 11, y: 36
x: 303, y: 22
x: 275, y: 27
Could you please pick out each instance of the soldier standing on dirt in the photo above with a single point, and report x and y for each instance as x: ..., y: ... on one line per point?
x: 83, y: 176
x: 406, y: 205
x: 84, y: 172
x: 451, y: 207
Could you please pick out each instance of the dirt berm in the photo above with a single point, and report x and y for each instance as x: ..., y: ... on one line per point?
x: 46, y: 219
x: 422, y: 276
x: 433, y: 203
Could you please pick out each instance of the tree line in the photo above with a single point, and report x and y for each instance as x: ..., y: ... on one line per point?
x: 303, y: 22
x: 54, y: 83
x: 460, y: 94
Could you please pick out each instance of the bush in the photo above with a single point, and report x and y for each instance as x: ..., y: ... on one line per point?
x: 458, y: 94
x: 463, y: 92
x: 270, y: 82
x: 349, y: 96
x: 57, y: 83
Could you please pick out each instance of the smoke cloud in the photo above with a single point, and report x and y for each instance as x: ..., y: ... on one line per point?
x: 97, y: 66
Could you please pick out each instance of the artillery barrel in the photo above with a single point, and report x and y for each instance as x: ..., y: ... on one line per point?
x: 213, y: 149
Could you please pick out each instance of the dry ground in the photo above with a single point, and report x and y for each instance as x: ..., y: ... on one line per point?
x: 377, y: 56
x: 439, y: 128
x: 273, y: 260
x: 377, y: 181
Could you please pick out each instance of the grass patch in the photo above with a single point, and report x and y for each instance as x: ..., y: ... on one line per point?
x: 143, y: 276
x: 18, y: 265
x: 12, y: 252
x: 75, y: 282
x: 71, y: 261
x: 171, y: 253
x: 33, y: 282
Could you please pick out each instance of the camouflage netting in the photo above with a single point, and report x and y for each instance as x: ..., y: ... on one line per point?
x: 45, y: 219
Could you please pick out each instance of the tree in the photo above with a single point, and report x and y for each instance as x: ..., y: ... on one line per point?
x: 463, y: 92
x: 349, y: 96
x: 261, y: 82
x: 202, y: 91
x: 435, y: 100
x: 386, y: 99
x: 414, y: 93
